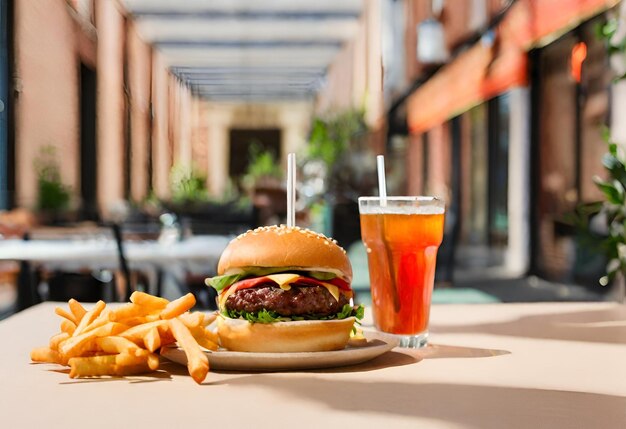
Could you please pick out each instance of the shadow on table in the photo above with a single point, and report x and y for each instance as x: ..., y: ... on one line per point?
x: 149, y: 377
x: 473, y: 406
x: 441, y: 351
x: 598, y: 326
x: 393, y: 358
x: 401, y: 357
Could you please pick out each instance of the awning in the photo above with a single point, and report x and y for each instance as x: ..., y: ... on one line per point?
x: 233, y: 50
x: 498, y: 61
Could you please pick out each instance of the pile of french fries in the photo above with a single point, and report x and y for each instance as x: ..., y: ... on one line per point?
x: 125, y: 340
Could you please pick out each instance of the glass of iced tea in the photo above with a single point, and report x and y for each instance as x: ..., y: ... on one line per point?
x: 401, y: 237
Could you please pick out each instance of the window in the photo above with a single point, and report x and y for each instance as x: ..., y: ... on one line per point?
x: 6, y: 165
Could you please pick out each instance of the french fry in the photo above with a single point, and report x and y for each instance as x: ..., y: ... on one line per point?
x: 153, y: 361
x: 103, y: 365
x: 192, y: 320
x: 178, y: 306
x: 65, y: 314
x: 149, y: 359
x: 139, y: 320
x: 89, y: 317
x: 146, y: 300
x: 127, y: 359
x: 211, y: 335
x: 57, y: 339
x: 128, y: 311
x: 45, y: 355
x: 99, y: 321
x: 77, y: 310
x: 166, y: 336
x: 92, y: 366
x: 209, y: 318
x: 200, y: 335
x: 122, y: 341
x: 152, y: 340
x: 76, y: 345
x: 137, y: 333
x: 197, y: 361
x: 115, y: 344
x: 68, y: 327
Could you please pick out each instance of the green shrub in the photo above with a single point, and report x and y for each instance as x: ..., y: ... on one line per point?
x: 52, y: 194
x: 614, y: 208
x: 188, y: 186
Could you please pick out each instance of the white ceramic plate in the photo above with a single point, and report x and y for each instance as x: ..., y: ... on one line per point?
x: 245, y: 361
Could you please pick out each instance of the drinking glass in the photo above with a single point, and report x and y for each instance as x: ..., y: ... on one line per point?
x: 401, y: 236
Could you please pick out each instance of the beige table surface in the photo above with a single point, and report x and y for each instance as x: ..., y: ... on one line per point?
x: 489, y: 366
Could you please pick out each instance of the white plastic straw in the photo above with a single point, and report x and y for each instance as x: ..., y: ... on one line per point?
x: 382, y: 185
x: 291, y: 189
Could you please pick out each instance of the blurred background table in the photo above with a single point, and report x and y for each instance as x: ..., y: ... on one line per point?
x: 556, y: 365
x: 103, y: 252
x: 157, y: 260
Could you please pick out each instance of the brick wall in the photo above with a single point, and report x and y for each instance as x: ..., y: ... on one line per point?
x: 46, y: 83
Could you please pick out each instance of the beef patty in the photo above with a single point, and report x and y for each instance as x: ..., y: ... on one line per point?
x: 297, y: 301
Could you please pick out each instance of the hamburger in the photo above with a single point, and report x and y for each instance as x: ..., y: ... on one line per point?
x: 284, y: 289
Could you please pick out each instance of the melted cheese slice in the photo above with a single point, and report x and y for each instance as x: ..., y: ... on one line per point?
x: 284, y: 281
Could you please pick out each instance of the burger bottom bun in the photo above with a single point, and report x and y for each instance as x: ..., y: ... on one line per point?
x: 284, y: 337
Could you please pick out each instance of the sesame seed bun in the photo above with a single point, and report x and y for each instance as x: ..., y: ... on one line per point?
x: 282, y: 246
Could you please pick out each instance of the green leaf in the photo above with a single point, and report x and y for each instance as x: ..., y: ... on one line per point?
x: 267, y: 316
x: 360, y: 312
x: 221, y: 282
x: 610, y: 192
x: 322, y: 276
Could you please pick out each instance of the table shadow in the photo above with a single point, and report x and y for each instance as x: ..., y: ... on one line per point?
x: 472, y: 406
x: 598, y: 326
x: 393, y: 358
x: 442, y: 351
x: 149, y: 377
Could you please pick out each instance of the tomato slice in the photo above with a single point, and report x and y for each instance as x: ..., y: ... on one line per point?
x: 308, y: 281
x: 340, y: 283
x: 252, y: 282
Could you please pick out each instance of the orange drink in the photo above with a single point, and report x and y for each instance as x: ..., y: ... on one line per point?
x: 401, y: 237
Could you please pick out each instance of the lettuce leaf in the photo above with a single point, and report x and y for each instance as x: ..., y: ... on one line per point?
x: 322, y: 276
x: 220, y: 283
x: 266, y: 316
x: 263, y: 316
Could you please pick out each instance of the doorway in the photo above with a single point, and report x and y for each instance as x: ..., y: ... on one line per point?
x: 6, y: 157
x: 241, y: 140
x: 88, y: 150
x: 569, y: 110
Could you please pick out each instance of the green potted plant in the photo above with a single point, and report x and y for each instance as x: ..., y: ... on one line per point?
x: 263, y: 170
x: 331, y: 135
x: 53, y: 196
x: 614, y: 186
x: 335, y: 170
x: 614, y: 211
x: 263, y: 181
x: 188, y: 186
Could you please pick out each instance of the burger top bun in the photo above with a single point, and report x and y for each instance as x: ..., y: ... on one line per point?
x: 284, y: 337
x: 282, y: 246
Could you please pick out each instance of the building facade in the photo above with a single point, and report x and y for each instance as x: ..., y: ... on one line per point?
x: 507, y: 128
x: 80, y: 79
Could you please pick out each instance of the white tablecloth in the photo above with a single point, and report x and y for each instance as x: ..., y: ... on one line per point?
x: 103, y: 253
x: 490, y: 366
